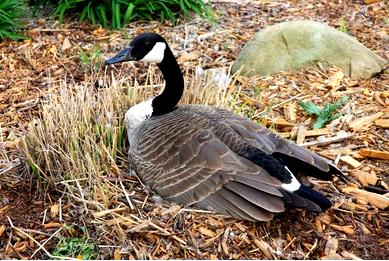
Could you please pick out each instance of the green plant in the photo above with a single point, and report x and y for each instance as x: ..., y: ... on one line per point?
x: 92, y: 59
x: 117, y: 13
x: 11, y: 13
x: 325, y: 114
x: 75, y: 247
x: 343, y: 25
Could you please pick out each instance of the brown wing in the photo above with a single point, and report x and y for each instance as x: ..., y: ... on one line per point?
x: 181, y: 159
x: 293, y: 155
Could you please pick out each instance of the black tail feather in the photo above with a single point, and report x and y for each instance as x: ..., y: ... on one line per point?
x: 292, y: 200
x: 297, y: 166
x: 314, y: 196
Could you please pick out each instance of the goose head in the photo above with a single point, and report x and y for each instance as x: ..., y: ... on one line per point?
x: 151, y: 47
x: 147, y: 47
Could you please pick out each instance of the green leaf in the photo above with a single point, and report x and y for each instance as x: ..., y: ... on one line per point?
x: 325, y: 114
x: 11, y: 14
x: 310, y: 108
x: 101, y: 13
x: 128, y: 15
x: 319, y: 123
x: 117, y: 13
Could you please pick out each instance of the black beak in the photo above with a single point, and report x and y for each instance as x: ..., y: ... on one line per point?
x: 122, y: 56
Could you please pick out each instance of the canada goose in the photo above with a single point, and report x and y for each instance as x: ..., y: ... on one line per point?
x: 211, y: 158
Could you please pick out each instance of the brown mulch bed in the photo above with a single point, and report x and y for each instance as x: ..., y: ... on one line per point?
x: 355, y: 227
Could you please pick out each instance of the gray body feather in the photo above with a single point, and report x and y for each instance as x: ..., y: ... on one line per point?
x: 193, y: 156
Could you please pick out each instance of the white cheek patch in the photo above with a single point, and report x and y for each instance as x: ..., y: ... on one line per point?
x: 294, y: 185
x: 156, y: 54
x: 138, y: 113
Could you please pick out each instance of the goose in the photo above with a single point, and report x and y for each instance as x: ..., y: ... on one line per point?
x: 211, y: 158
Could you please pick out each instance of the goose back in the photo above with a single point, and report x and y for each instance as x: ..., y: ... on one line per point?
x: 200, y: 155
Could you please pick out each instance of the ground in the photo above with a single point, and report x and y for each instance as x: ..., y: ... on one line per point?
x: 357, y: 225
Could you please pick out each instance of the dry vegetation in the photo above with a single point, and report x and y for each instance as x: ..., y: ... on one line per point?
x: 63, y: 167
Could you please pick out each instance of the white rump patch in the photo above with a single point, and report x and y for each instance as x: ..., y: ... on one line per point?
x: 138, y: 113
x: 292, y: 186
x: 156, y: 54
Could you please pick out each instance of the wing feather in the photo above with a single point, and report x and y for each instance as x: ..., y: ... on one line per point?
x: 247, y: 207
x: 271, y: 143
x: 191, y: 156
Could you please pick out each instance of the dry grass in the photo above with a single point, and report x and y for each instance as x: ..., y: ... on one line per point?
x: 78, y: 147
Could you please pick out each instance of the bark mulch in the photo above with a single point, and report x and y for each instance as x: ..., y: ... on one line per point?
x: 356, y: 227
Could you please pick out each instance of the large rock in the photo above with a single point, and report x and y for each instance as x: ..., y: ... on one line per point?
x: 294, y: 45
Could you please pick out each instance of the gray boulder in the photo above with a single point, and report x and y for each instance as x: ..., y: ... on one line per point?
x: 294, y: 45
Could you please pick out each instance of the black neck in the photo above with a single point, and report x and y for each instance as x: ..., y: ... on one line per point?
x: 174, y: 85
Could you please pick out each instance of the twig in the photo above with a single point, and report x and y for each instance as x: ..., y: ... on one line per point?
x: 17, y: 252
x: 52, y: 30
x: 70, y: 180
x: 196, y: 210
x: 44, y: 217
x: 164, y: 231
x: 277, y: 105
x: 36, y: 242
x: 3, y: 171
x: 330, y: 140
x: 312, y: 248
x: 9, y: 241
x: 127, y: 196
x: 82, y: 196
x: 291, y: 242
x: 47, y: 240
x: 60, y: 209
x: 37, y: 232
x: 144, y: 201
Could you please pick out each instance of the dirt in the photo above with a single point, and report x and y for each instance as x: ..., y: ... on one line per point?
x: 30, y: 70
x: 25, y: 208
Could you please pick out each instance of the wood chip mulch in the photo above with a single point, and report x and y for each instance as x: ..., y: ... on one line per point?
x: 356, y: 227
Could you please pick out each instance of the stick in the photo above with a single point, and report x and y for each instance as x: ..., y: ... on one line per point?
x: 36, y: 242
x: 330, y: 140
x: 47, y: 240
x: 164, y: 231
x: 127, y: 196
x: 277, y: 105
